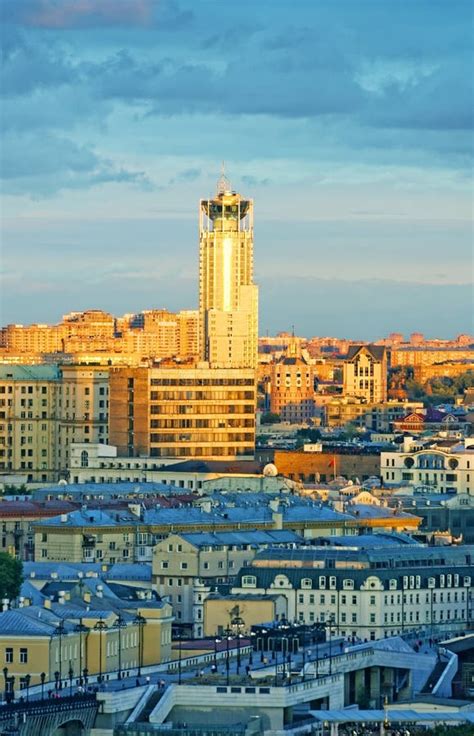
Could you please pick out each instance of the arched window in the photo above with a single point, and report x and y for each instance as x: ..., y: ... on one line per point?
x: 84, y: 459
x: 306, y: 583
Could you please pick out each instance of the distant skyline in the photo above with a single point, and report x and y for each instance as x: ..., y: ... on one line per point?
x: 350, y: 124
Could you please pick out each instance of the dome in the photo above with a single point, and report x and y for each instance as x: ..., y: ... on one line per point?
x: 270, y: 471
x: 62, y: 482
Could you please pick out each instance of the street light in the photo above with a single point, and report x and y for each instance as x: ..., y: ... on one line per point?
x: 119, y: 624
x: 5, y: 675
x: 228, y: 638
x: 59, y: 632
x: 100, y: 626
x: 140, y: 621
x: 80, y: 628
x: 42, y: 678
x: 179, y: 655
x: 217, y: 641
x: 239, y: 623
x: 71, y: 675
x: 27, y: 683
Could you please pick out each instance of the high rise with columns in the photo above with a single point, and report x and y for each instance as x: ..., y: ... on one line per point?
x: 228, y: 297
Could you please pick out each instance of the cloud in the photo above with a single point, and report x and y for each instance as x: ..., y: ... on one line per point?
x: 43, y: 165
x: 79, y: 14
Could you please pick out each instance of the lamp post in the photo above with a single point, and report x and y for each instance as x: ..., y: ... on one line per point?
x: 27, y: 683
x: 140, y: 621
x: 85, y: 675
x: 5, y: 675
x: 276, y: 667
x: 42, y: 678
x: 119, y: 624
x: 100, y: 626
x: 238, y: 623
x: 71, y: 675
x: 179, y: 655
x: 12, y: 692
x: 263, y: 644
x: 59, y: 632
x: 228, y: 638
x: 330, y: 622
x: 252, y: 642
x: 217, y: 641
x: 80, y: 628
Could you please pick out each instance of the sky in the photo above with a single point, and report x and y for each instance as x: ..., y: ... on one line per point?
x: 348, y: 121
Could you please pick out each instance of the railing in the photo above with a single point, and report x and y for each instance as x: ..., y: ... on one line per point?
x: 51, y: 705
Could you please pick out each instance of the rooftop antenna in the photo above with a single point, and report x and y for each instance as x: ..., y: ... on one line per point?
x: 223, y: 184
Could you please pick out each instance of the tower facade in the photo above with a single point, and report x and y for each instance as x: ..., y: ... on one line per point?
x: 228, y: 298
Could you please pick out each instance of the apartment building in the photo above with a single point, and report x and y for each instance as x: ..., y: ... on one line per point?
x: 30, y: 398
x: 45, y: 408
x: 183, y: 411
x: 292, y: 386
x: 439, y: 467
x: 187, y: 567
x: 365, y: 373
x: 368, y: 592
x: 378, y: 417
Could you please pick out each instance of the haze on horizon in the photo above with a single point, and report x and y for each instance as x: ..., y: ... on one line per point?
x: 350, y: 124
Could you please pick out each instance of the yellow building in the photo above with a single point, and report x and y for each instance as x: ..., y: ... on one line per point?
x: 221, y: 610
x: 43, y: 409
x: 365, y: 373
x: 99, y: 641
x: 228, y: 298
x: 292, y: 386
x: 180, y: 411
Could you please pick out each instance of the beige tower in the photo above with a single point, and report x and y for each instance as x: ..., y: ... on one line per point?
x: 228, y: 298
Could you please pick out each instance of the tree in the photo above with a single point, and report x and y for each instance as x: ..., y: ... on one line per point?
x: 11, y: 576
x: 269, y: 418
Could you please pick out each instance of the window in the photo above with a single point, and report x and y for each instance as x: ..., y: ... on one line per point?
x: 9, y: 655
x: 23, y: 656
x: 348, y: 584
x: 184, y: 566
x: 84, y: 459
x: 249, y: 581
x: 306, y: 583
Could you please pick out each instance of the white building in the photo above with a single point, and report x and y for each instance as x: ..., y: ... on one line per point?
x: 369, y: 593
x: 444, y: 469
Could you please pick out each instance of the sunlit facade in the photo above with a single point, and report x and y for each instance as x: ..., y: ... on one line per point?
x: 228, y: 298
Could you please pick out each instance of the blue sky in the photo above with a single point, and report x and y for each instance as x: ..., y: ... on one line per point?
x: 349, y: 122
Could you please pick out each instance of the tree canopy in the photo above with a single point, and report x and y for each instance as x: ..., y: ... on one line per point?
x: 11, y: 576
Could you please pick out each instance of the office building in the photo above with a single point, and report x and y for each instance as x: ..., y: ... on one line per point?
x: 228, y: 298
x: 183, y: 411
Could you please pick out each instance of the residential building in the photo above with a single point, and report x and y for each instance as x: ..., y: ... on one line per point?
x: 183, y: 411
x: 424, y: 356
x: 368, y: 593
x: 292, y: 386
x: 228, y: 298
x: 365, y: 373
x: 379, y: 417
x: 187, y: 567
x: 43, y: 409
x: 30, y: 398
x: 443, y: 469
x: 315, y: 467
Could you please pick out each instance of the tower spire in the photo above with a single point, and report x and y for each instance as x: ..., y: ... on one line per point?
x: 223, y: 184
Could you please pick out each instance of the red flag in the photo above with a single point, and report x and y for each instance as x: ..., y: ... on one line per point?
x: 332, y: 463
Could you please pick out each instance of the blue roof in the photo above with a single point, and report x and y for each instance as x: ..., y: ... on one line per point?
x: 257, y: 537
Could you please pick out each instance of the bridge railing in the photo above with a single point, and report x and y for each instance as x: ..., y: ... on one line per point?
x: 49, y: 705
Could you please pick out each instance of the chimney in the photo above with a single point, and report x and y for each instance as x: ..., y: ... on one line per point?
x: 87, y: 597
x: 47, y: 603
x: 21, y: 602
x: 62, y: 597
x: 277, y: 517
x: 100, y: 591
x: 5, y: 604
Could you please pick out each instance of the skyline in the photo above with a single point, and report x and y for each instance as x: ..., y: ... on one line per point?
x: 355, y: 146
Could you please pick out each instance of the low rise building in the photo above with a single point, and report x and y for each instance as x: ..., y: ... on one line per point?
x: 187, y: 567
x: 368, y: 593
x: 442, y: 468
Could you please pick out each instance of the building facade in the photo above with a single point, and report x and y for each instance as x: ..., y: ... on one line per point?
x: 365, y: 373
x: 228, y: 298
x: 292, y: 387
x: 441, y: 469
x: 369, y: 594
x: 182, y: 411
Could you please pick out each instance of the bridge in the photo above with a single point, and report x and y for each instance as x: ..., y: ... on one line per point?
x: 67, y: 716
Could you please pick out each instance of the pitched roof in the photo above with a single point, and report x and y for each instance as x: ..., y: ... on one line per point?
x: 377, y: 351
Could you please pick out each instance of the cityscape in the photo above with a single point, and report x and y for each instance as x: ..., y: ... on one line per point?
x: 211, y: 528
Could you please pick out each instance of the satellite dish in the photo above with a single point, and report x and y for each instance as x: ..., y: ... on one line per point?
x: 270, y: 471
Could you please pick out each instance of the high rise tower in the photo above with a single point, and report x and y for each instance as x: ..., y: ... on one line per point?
x: 228, y: 298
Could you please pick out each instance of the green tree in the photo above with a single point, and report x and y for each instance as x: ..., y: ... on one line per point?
x: 269, y: 418
x: 11, y: 576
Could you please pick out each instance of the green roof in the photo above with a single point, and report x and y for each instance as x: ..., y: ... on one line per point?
x: 29, y: 373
